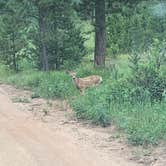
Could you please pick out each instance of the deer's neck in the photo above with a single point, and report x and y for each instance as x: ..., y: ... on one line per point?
x: 76, y: 81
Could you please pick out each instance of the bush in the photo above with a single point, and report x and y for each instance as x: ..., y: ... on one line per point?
x: 151, y: 80
x: 65, y: 46
x: 88, y: 69
x: 121, y: 101
x: 28, y: 79
x: 49, y: 85
x: 148, y: 70
x: 4, y: 71
x: 93, y: 106
x: 56, y: 85
x: 144, y: 124
x: 126, y: 105
x: 98, y: 102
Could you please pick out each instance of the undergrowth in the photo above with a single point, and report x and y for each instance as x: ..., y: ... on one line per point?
x: 117, y: 100
x: 48, y: 85
x: 130, y: 109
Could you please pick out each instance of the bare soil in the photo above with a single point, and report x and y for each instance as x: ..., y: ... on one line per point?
x: 39, y: 132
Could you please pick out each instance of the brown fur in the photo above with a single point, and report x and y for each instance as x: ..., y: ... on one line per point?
x: 86, y: 82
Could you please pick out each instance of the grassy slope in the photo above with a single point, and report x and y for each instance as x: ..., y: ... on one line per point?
x: 141, y: 121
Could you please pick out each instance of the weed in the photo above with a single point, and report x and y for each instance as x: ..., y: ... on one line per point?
x: 46, y: 112
x: 48, y: 85
x: 21, y: 100
x: 118, y: 101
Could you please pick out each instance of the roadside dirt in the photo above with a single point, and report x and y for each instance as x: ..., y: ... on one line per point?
x: 37, y: 132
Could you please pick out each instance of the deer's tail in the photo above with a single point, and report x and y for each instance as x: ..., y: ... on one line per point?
x: 101, y: 80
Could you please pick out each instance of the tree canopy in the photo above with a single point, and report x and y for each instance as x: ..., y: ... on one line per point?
x: 49, y: 35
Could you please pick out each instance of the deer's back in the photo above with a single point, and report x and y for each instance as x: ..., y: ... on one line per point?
x: 89, y: 81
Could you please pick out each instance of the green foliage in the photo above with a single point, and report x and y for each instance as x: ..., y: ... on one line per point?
x: 151, y: 80
x: 24, y: 35
x: 26, y: 79
x: 93, y: 106
x: 4, y: 71
x: 148, y: 73
x: 134, y: 28
x: 127, y: 103
x: 88, y: 33
x: 56, y: 85
x: 65, y: 42
x: 144, y: 124
x: 21, y: 100
x: 15, y: 35
x: 69, y: 51
x: 117, y: 101
x: 87, y: 69
x: 48, y: 85
x: 133, y: 92
x: 128, y: 107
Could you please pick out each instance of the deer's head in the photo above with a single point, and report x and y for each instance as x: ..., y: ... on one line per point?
x: 72, y: 74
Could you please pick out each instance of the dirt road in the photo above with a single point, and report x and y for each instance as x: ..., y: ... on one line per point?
x: 25, y: 141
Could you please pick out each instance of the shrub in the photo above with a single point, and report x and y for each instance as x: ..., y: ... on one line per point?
x: 56, y: 85
x: 4, y: 71
x: 27, y: 79
x: 98, y: 102
x: 151, y: 80
x: 49, y: 85
x: 88, y: 69
x: 148, y: 70
x: 144, y: 124
x: 93, y: 106
x: 126, y: 105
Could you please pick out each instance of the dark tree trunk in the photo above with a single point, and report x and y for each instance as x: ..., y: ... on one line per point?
x: 14, y: 53
x: 43, y: 47
x: 100, y: 33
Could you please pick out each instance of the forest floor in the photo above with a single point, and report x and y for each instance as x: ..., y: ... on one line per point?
x: 39, y: 132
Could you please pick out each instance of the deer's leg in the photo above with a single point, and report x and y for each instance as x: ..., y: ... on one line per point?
x: 82, y: 92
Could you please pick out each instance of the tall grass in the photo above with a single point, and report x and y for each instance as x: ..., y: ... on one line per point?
x: 116, y: 101
x: 144, y: 124
x: 4, y: 72
x: 129, y: 107
x: 48, y: 85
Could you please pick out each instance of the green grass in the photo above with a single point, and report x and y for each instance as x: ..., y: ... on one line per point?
x: 116, y: 100
x: 4, y: 72
x: 144, y: 124
x: 21, y: 100
x: 48, y: 85
x: 122, y: 103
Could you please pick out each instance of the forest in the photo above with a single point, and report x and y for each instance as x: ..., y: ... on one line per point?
x: 122, y: 41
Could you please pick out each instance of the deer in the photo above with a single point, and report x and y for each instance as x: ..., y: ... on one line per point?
x: 86, y: 82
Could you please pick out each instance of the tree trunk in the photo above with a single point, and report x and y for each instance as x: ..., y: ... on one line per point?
x: 100, y: 33
x: 42, y: 31
x: 14, y: 53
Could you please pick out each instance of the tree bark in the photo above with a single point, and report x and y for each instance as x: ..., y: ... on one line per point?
x: 14, y: 52
x: 100, y: 33
x: 42, y: 31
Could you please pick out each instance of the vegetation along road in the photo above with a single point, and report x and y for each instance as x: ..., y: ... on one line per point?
x: 29, y: 142
x: 82, y: 83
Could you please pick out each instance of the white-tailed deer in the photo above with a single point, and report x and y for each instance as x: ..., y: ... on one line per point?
x: 86, y: 82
